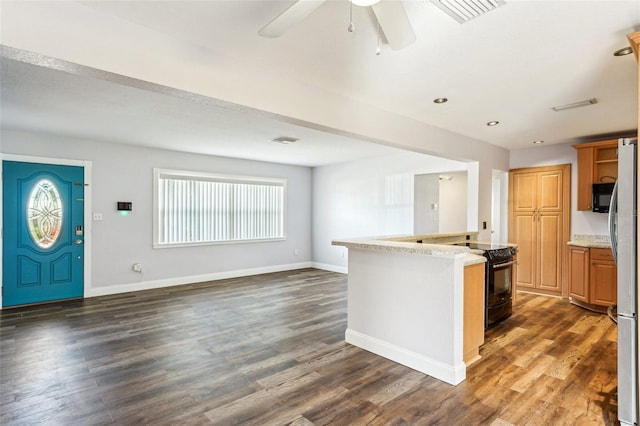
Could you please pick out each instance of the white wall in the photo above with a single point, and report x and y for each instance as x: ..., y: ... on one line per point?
x: 371, y: 197
x: 426, y: 209
x: 440, y: 206
x: 453, y: 203
x: 500, y: 209
x: 584, y: 223
x: 124, y: 173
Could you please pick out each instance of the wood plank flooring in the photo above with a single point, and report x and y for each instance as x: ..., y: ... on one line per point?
x: 269, y: 350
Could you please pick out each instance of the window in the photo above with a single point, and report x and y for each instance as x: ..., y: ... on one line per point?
x: 44, y: 214
x: 200, y: 208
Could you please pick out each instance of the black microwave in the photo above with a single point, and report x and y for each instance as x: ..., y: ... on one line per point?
x: 602, y: 197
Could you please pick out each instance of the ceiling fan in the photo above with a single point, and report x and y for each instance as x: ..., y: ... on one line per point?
x: 391, y: 16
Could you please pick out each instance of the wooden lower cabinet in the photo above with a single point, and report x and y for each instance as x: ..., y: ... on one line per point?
x: 540, y: 252
x: 603, y: 282
x: 593, y: 278
x: 579, y: 273
x: 473, y: 323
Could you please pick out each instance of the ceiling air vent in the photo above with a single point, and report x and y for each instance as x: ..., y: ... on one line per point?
x: 465, y: 10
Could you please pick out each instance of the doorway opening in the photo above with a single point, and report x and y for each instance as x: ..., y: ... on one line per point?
x: 441, y: 203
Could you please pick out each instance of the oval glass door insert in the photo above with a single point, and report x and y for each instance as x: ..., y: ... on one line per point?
x: 44, y: 214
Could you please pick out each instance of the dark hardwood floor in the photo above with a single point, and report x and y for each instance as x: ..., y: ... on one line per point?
x: 269, y: 350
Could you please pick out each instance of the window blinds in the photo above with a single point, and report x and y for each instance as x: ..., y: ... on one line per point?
x: 209, y: 208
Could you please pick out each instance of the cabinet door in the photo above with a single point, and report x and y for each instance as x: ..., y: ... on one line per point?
x: 525, y: 234
x: 585, y: 178
x: 603, y: 288
x: 550, y: 251
x: 579, y: 273
x: 473, y: 328
x: 524, y: 191
x: 550, y: 194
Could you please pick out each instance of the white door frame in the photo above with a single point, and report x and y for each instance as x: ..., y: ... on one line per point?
x: 88, y: 210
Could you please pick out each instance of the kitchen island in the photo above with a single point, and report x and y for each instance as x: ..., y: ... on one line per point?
x: 406, y: 302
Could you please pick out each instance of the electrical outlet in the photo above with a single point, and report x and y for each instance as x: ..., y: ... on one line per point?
x: 296, y: 252
x: 137, y: 267
x: 97, y: 216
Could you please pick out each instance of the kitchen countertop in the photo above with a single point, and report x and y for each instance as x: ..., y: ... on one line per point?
x: 590, y: 241
x: 589, y: 244
x: 392, y: 245
x: 474, y: 259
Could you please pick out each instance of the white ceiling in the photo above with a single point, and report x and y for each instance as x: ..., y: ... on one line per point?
x: 125, y: 111
x: 511, y: 65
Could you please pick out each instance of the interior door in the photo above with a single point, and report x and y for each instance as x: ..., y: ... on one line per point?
x: 43, y: 221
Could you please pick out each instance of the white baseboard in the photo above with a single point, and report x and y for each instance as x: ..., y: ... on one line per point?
x: 169, y: 282
x: 452, y: 374
x: 330, y: 268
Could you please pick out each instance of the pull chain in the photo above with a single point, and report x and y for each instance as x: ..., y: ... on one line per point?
x: 351, y: 27
x: 378, y: 47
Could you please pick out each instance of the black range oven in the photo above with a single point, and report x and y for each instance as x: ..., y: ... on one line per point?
x: 498, y: 280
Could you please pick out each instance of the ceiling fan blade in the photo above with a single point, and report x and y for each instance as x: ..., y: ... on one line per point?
x: 394, y: 23
x: 294, y: 14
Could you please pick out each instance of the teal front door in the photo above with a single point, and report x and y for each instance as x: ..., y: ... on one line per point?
x: 43, y: 221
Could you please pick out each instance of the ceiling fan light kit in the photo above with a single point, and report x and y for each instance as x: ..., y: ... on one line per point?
x: 465, y: 10
x: 364, y: 3
x: 390, y: 14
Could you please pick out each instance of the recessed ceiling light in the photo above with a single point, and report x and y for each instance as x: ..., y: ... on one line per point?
x: 493, y: 123
x: 623, y: 52
x: 538, y: 142
x: 440, y: 100
x: 286, y: 140
x: 588, y: 102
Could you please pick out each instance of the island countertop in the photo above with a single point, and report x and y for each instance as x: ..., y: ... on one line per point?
x: 407, y: 245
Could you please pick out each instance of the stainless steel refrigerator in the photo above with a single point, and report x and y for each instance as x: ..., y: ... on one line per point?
x: 623, y: 228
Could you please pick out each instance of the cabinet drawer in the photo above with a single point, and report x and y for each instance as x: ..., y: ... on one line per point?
x: 601, y: 254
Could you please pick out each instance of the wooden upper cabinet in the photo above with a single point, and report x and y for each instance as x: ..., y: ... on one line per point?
x: 597, y: 163
x: 550, y: 186
x: 524, y: 192
x: 541, y: 191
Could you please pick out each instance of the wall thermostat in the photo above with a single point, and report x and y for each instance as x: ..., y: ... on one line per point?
x: 125, y: 206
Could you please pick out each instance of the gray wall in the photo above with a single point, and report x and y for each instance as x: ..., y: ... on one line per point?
x: 124, y: 173
x: 426, y: 198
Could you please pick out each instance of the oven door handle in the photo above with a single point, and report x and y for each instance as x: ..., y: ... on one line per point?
x: 502, y: 265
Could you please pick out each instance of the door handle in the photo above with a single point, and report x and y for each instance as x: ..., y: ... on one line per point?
x: 502, y: 265
x: 79, y: 241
